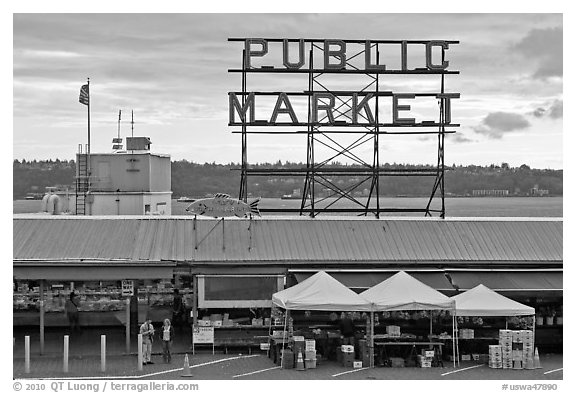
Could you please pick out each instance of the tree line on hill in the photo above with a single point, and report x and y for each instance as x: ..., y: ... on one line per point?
x: 199, y: 180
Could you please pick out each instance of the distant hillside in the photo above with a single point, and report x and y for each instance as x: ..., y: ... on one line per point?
x: 196, y: 180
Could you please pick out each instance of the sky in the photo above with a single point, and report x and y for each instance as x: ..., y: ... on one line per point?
x: 172, y: 71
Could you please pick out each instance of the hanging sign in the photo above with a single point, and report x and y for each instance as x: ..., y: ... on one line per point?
x: 127, y: 287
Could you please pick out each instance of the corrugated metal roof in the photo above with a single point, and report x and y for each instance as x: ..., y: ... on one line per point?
x: 289, y: 240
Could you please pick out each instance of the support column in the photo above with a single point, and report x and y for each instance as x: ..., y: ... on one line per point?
x: 134, y: 329
x: 42, y: 317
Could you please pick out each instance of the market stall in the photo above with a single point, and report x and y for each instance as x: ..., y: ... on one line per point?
x: 320, y: 292
x: 402, y: 292
x: 482, y: 301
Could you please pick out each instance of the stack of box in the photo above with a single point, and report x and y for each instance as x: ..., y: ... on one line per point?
x: 425, y: 359
x: 517, y: 348
x: 505, y: 341
x: 495, y: 356
x: 347, y: 355
x: 527, y: 345
x: 310, y: 354
x: 364, y: 352
x: 287, y: 358
x: 466, y: 334
x: 393, y: 331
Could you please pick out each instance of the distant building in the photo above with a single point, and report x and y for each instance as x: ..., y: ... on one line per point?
x: 535, y: 191
x: 491, y: 193
x: 126, y: 182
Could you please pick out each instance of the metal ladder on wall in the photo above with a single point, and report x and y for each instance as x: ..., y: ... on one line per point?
x: 82, y: 182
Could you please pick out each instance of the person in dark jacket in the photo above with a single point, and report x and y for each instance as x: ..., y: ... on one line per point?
x: 71, y: 310
x: 177, y: 309
x: 347, y: 329
x: 167, y: 336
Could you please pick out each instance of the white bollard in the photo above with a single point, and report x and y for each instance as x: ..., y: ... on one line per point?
x: 103, y: 353
x: 27, y: 354
x: 128, y: 325
x: 66, y: 345
x: 140, y: 366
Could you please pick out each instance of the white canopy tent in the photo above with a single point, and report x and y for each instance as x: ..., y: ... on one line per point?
x: 320, y: 292
x: 402, y: 292
x: 482, y: 301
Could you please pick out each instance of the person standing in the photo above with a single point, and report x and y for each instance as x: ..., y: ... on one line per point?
x: 347, y: 329
x: 177, y: 309
x: 167, y: 337
x: 71, y: 310
x: 147, y: 332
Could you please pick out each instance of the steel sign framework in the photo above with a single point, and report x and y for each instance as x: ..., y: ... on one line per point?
x: 338, y: 119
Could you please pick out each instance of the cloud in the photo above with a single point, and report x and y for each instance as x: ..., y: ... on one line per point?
x: 553, y: 110
x: 459, y: 138
x: 556, y: 110
x: 496, y: 124
x: 544, y: 46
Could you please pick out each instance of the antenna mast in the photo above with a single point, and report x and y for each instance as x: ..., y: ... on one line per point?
x: 119, y: 117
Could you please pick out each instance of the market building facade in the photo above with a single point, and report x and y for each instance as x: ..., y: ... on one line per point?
x: 235, y: 265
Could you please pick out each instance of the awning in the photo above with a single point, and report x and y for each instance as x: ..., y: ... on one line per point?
x: 509, y: 281
x: 93, y: 273
x: 366, y: 279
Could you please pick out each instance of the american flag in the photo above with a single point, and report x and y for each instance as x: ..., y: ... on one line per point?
x: 84, y: 95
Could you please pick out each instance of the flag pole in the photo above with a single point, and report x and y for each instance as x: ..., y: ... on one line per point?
x: 88, y: 152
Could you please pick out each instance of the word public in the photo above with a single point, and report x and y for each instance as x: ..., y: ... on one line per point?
x: 336, y: 50
x: 323, y: 105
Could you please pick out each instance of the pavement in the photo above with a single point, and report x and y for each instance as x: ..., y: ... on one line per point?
x: 85, y: 363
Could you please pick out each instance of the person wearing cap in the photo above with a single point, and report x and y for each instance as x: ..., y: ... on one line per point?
x: 71, y: 310
x: 147, y: 332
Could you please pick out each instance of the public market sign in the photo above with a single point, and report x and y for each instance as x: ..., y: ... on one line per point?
x: 413, y: 58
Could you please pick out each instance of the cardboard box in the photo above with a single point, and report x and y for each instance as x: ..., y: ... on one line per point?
x: 465, y: 357
x: 357, y: 364
x: 310, y: 355
x: 426, y: 364
x: 393, y: 330
x: 427, y: 353
x: 310, y: 363
x: 310, y: 345
x: 204, y: 322
x: 476, y: 356
x: 264, y: 346
x: 217, y: 323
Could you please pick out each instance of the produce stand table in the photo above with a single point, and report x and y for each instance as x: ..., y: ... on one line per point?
x: 241, y: 336
x: 385, y: 360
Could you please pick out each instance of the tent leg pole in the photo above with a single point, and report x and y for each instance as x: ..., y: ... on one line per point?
x: 270, y: 331
x: 533, y: 334
x: 457, y: 340
x: 283, y: 339
x: 453, y: 343
x: 371, y: 349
